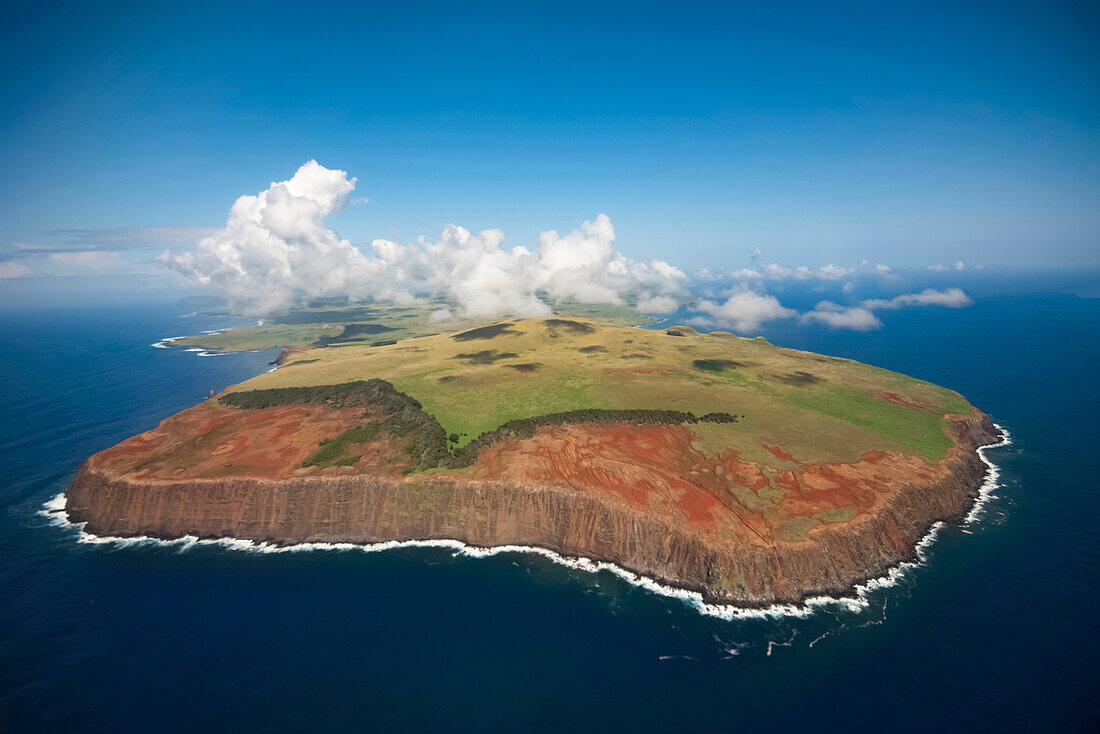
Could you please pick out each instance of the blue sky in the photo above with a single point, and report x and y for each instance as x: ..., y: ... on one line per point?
x: 904, y: 133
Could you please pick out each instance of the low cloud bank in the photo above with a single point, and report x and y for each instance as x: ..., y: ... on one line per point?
x: 745, y: 310
x: 862, y: 317
x: 949, y: 297
x: 277, y: 247
x: 938, y: 268
x: 857, y: 318
x: 766, y: 271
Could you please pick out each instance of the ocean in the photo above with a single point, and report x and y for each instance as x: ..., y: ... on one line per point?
x: 996, y: 630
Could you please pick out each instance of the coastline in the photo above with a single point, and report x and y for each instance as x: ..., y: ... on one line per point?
x: 56, y: 510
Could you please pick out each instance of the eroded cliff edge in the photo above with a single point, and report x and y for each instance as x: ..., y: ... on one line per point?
x: 721, y: 552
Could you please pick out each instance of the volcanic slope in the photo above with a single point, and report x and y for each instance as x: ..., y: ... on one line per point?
x: 752, y: 473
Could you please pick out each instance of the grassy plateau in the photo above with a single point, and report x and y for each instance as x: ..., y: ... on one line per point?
x: 475, y: 380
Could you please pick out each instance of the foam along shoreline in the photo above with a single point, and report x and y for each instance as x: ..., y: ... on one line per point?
x: 55, y: 510
x: 166, y: 343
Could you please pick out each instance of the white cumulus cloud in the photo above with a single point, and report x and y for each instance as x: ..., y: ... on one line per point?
x: 277, y: 247
x: 841, y: 317
x: 744, y: 312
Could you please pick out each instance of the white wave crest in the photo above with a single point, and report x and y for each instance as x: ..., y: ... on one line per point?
x: 992, y: 477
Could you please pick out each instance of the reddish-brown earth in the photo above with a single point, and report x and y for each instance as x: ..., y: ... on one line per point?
x: 899, y: 400
x: 210, y: 440
x: 640, y: 496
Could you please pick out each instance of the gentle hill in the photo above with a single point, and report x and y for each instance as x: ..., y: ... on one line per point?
x: 816, y: 408
x: 349, y: 324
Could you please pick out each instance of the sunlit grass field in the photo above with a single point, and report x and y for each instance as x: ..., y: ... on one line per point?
x: 306, y: 326
x: 816, y: 408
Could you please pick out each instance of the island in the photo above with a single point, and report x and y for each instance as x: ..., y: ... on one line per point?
x: 750, y: 473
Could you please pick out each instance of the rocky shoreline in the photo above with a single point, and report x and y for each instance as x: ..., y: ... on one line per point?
x: 831, y: 560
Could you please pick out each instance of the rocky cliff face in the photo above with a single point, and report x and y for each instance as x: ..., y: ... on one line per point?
x: 722, y: 560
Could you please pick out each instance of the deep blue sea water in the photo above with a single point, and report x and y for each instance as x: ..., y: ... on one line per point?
x: 998, y: 631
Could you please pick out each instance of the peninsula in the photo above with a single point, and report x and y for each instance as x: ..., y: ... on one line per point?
x: 750, y: 473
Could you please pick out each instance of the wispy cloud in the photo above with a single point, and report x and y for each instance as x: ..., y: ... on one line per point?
x: 774, y: 271
x: 9, y: 270
x: 86, y: 259
x: 130, y: 238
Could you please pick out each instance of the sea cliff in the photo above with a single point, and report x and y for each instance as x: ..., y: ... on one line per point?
x: 744, y: 568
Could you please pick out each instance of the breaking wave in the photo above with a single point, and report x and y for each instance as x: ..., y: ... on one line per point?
x: 166, y: 343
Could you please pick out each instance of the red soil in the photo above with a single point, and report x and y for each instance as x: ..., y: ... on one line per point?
x: 777, y: 452
x: 902, y: 401
x: 648, y: 467
x: 210, y: 440
x: 655, y: 468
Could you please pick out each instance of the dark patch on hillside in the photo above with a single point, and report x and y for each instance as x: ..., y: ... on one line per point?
x: 638, y: 355
x: 573, y: 327
x: 524, y: 367
x: 403, y: 418
x: 525, y: 427
x: 798, y: 379
x: 322, y: 317
x: 717, y: 365
x: 446, y: 378
x: 354, y: 330
x: 486, y: 356
x: 353, y: 333
x: 592, y: 349
x: 485, y: 332
x: 674, y: 332
x: 383, y: 343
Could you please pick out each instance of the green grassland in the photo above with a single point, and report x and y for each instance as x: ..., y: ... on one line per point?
x: 339, y: 325
x: 325, y: 325
x: 474, y: 381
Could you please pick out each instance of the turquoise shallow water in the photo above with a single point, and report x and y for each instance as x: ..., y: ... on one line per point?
x: 997, y: 630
